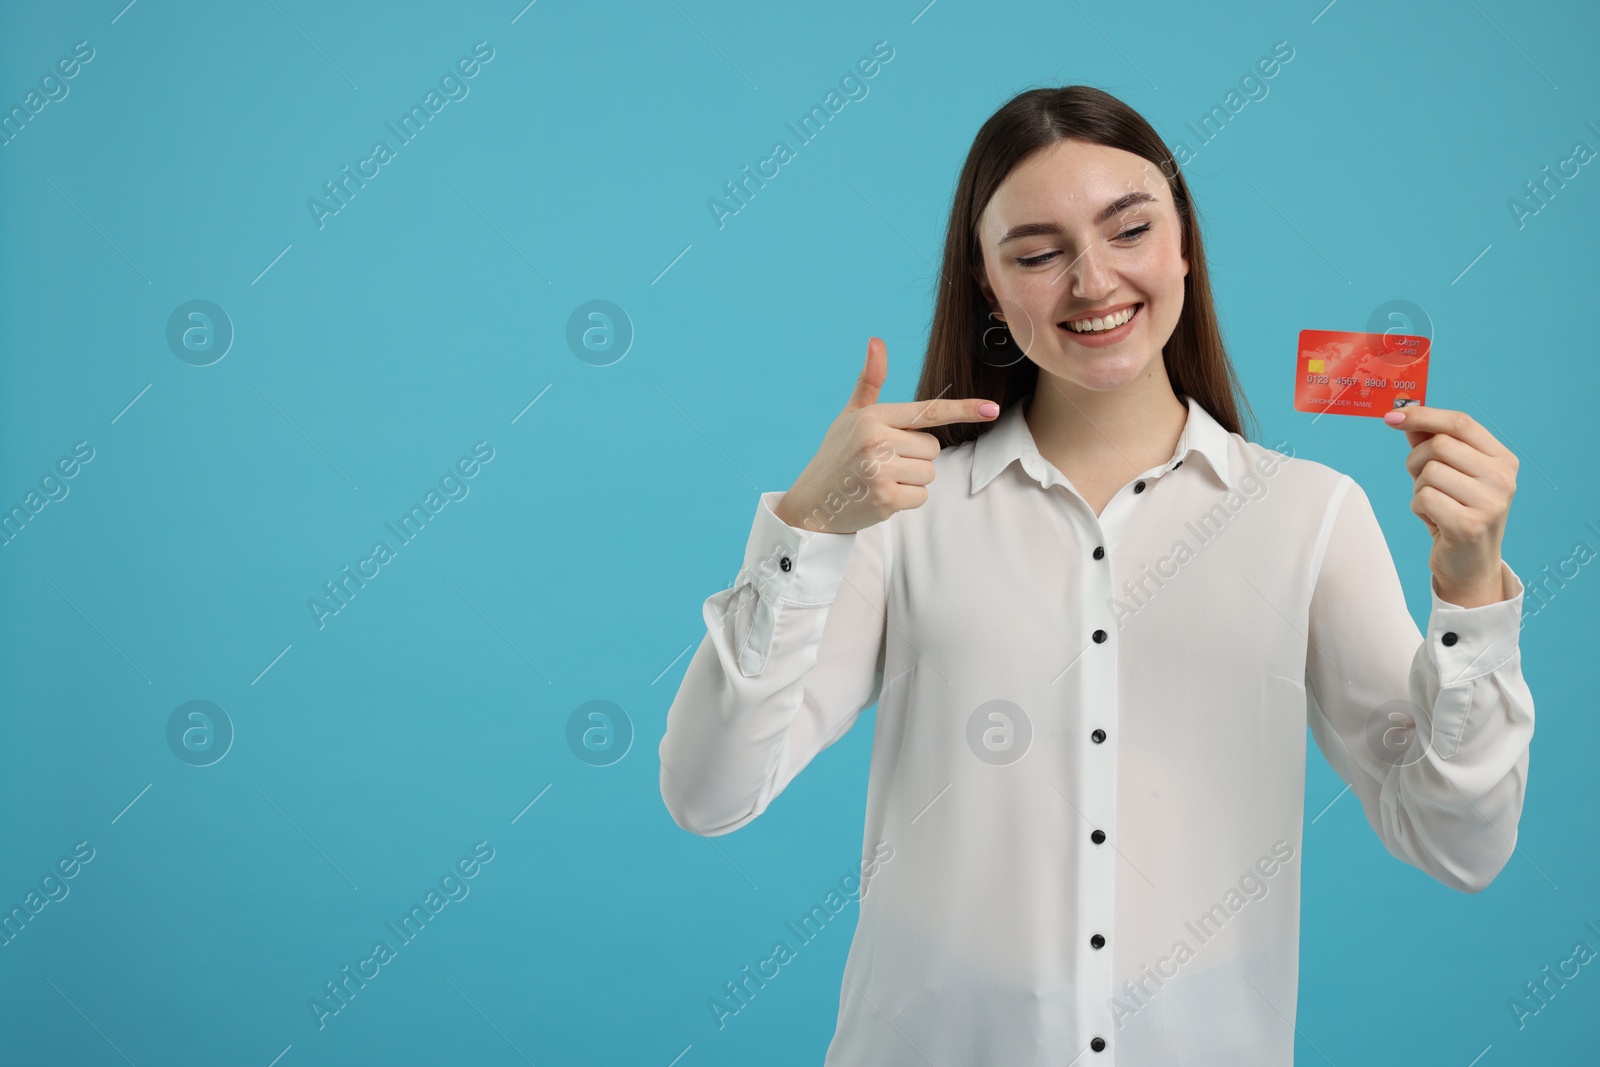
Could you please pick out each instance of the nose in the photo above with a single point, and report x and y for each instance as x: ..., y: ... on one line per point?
x: 1088, y: 278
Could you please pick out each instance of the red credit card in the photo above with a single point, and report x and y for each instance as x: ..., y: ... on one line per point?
x: 1343, y: 373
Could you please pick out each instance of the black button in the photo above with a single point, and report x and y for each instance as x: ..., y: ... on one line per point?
x: 1097, y: 1043
x: 1098, y: 837
x: 1099, y: 552
x: 1449, y: 638
x: 1138, y: 487
x: 784, y: 563
x: 1100, y: 637
x: 1097, y: 941
x: 1098, y: 736
x: 1178, y: 464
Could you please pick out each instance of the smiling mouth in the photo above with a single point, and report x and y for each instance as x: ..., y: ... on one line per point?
x: 1106, y: 324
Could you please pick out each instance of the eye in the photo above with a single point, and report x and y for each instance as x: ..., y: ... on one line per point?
x: 1045, y: 257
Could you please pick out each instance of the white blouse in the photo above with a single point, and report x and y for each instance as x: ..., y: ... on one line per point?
x: 1084, y: 811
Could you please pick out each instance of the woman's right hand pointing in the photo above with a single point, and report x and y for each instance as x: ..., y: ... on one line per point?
x: 873, y: 461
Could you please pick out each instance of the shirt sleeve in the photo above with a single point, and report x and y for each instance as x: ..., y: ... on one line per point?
x: 793, y: 653
x: 1431, y: 734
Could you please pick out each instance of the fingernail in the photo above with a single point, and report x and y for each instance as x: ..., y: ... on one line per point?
x: 989, y: 408
x: 1394, y: 418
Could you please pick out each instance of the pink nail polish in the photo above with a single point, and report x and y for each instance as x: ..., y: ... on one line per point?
x: 1394, y: 418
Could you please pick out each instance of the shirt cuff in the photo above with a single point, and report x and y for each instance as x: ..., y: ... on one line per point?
x: 1467, y: 643
x: 791, y: 564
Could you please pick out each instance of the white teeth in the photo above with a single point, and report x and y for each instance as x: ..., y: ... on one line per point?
x: 1097, y: 325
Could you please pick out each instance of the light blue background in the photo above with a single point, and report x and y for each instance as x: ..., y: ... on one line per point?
x: 428, y: 715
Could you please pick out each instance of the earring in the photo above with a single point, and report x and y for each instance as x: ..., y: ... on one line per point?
x: 996, y: 346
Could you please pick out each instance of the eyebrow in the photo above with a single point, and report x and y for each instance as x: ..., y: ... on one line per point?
x: 1034, y: 229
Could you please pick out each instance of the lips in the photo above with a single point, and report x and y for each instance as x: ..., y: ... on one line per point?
x: 1107, y: 314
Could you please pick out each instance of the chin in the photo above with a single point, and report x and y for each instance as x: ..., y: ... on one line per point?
x: 1099, y: 372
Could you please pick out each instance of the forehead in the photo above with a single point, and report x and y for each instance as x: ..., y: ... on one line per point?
x: 1071, y: 181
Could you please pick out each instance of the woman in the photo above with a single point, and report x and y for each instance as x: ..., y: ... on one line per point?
x: 1096, y: 622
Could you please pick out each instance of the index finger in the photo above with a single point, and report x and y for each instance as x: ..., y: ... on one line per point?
x: 916, y: 414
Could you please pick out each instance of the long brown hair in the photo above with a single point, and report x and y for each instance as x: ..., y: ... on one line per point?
x: 956, y: 365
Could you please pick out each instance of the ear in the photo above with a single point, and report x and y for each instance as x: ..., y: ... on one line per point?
x: 981, y: 275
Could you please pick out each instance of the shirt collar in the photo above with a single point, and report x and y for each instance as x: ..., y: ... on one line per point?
x: 1008, y: 438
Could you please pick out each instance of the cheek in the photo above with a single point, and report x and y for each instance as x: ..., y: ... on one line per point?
x: 1030, y: 297
x: 1037, y: 289
x: 1158, y: 268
